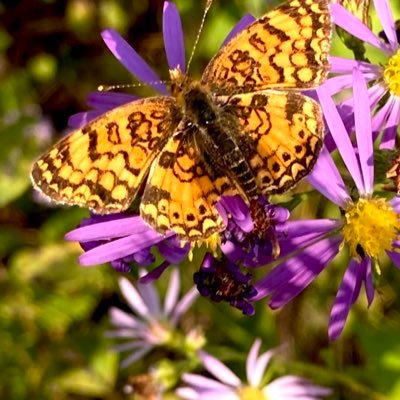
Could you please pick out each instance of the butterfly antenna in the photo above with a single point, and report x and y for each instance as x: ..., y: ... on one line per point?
x: 208, y: 5
x: 108, y: 88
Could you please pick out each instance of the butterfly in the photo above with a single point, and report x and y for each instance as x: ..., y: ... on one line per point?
x: 243, y: 129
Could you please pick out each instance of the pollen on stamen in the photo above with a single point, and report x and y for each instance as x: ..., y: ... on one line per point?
x: 372, y: 224
x: 391, y: 74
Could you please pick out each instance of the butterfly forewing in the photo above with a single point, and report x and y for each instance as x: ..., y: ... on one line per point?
x: 287, y: 48
x: 102, y: 165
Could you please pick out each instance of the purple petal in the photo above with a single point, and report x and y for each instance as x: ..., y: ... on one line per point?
x: 133, y: 298
x: 202, y: 383
x: 150, y: 296
x: 395, y: 257
x: 387, y: 21
x: 256, y: 372
x: 131, y: 60
x: 219, y: 370
x: 342, y: 65
x: 183, y: 305
x: 380, y: 118
x: 109, y: 100
x: 369, y: 284
x: 173, y: 251
x: 390, y: 133
x: 154, y: 274
x: 341, y: 137
x: 294, y: 388
x: 251, y: 362
x: 325, y: 171
x: 362, y: 117
x: 353, y: 25
x: 119, y: 227
x: 315, y: 226
x: 344, y: 299
x: 122, y: 319
x: 289, y: 278
x: 120, y: 248
x: 240, y: 212
x: 173, y: 289
x: 338, y: 83
x: 244, y: 22
x: 137, y: 355
x: 79, y: 120
x: 173, y: 36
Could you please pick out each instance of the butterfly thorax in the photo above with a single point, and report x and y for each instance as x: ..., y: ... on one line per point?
x: 214, y: 130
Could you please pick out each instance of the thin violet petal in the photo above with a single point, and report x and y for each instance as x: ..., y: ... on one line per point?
x: 390, y: 132
x: 109, y: 230
x: 341, y: 65
x: 353, y: 25
x: 131, y: 60
x: 183, y: 305
x: 380, y: 118
x: 343, y: 301
x: 173, y: 37
x: 290, y: 277
x: 150, y: 297
x: 119, y: 248
x: 119, y: 348
x: 338, y: 83
x: 123, y: 319
x: 106, y: 100
x: 302, y: 228
x: 199, y: 381
x: 341, y: 137
x: 251, y: 362
x: 395, y: 257
x: 172, y: 294
x: 133, y: 298
x: 369, y: 284
x: 81, y: 119
x: 244, y: 22
x: 261, y: 366
x: 325, y: 171
x: 294, y: 388
x: 137, y: 355
x: 385, y: 15
x: 219, y: 370
x: 362, y: 117
x: 154, y: 274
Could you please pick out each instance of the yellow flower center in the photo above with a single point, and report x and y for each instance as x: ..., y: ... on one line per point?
x: 391, y: 74
x: 371, y: 224
x: 251, y: 393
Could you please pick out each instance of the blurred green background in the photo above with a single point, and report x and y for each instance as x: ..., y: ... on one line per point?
x: 53, y: 313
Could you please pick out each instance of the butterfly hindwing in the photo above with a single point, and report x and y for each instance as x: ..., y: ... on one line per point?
x: 102, y: 165
x: 287, y: 48
x: 285, y: 131
x: 182, y: 190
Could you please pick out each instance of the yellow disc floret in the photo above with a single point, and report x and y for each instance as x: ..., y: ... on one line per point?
x: 391, y: 74
x: 251, y: 393
x: 372, y: 224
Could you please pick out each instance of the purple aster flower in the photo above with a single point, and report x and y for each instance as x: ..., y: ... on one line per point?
x: 228, y: 386
x: 369, y: 226
x: 385, y: 80
x: 151, y: 325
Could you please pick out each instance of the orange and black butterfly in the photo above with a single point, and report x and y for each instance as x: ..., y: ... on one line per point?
x: 243, y: 128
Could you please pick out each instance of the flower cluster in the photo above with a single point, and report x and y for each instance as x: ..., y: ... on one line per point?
x: 368, y: 225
